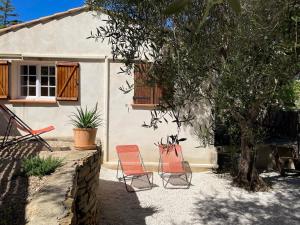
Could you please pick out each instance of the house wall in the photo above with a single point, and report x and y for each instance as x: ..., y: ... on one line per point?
x: 125, y: 127
x: 66, y: 38
x: 62, y: 39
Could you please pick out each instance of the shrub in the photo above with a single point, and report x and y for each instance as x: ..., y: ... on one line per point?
x: 37, y: 166
x: 84, y: 118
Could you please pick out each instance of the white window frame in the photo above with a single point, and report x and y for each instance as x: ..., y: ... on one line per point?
x: 38, y: 80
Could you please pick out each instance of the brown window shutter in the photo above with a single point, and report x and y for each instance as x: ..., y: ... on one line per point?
x: 67, y: 81
x: 143, y: 93
x: 158, y: 92
x: 4, y: 76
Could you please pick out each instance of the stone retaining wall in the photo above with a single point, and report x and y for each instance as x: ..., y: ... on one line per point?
x: 69, y: 196
x: 86, y: 187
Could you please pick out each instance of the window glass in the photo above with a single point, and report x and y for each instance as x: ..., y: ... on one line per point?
x: 52, y: 70
x: 44, y: 91
x: 52, y: 81
x: 44, y: 81
x: 32, y: 70
x: 24, y: 91
x: 32, y: 91
x: 37, y: 80
x: 24, y: 80
x: 52, y: 91
x: 24, y: 70
x: 44, y: 70
x: 32, y: 80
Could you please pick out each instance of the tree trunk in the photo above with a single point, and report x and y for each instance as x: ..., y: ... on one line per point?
x: 248, y: 176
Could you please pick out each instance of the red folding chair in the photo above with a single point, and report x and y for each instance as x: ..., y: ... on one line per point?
x: 14, y: 120
x: 132, y: 165
x: 172, y: 165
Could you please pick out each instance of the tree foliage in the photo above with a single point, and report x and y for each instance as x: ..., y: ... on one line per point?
x: 7, y: 13
x: 238, y: 63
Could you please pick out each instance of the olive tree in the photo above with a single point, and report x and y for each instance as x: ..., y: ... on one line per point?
x: 239, y: 62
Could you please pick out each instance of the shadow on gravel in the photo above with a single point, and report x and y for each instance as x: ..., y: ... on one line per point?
x: 118, y: 207
x: 282, y: 209
x: 13, y: 187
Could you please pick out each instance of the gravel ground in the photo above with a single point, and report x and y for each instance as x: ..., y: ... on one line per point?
x: 210, y: 200
x: 14, y: 188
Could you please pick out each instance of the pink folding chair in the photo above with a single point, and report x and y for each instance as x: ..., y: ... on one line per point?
x: 132, y: 165
x: 14, y: 120
x: 172, y: 165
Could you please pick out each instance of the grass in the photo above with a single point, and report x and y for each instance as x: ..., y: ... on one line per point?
x: 37, y: 166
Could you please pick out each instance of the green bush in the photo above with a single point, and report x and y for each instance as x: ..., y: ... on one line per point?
x: 86, y: 118
x: 37, y: 166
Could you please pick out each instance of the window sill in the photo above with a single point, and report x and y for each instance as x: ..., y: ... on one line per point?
x: 32, y: 101
x: 144, y: 106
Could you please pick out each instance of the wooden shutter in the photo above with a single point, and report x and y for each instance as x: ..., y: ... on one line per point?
x: 67, y: 81
x: 143, y: 93
x: 158, y: 92
x: 4, y: 74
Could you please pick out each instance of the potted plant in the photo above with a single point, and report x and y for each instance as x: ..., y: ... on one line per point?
x: 85, y: 122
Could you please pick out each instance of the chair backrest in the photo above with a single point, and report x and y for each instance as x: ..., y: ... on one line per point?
x: 130, y: 159
x: 19, y: 124
x: 171, y: 158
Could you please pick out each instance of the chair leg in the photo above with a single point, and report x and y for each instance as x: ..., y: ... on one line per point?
x: 7, y: 132
x: 117, y: 176
x: 190, y: 182
x: 150, y: 183
x: 126, y: 186
x: 187, y: 180
x: 166, y: 183
x: 43, y: 142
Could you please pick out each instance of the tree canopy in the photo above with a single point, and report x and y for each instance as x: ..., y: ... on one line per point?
x: 7, y: 15
x: 238, y: 63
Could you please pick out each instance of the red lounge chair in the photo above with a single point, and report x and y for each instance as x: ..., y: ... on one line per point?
x: 14, y: 120
x: 132, y: 164
x: 172, y: 165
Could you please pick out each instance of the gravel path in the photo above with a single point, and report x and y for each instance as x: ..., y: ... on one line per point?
x: 210, y: 200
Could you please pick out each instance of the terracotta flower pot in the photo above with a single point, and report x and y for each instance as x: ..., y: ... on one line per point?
x: 85, y: 138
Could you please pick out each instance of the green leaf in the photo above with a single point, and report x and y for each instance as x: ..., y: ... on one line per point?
x: 85, y: 118
x: 209, y: 5
x: 177, y: 7
x: 295, y: 19
x: 235, y: 5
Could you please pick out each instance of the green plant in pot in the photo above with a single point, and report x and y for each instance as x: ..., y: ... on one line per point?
x: 86, y: 121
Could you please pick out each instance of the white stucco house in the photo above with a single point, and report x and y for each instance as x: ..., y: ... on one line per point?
x: 48, y: 67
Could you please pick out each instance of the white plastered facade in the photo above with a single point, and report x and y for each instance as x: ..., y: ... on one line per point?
x: 65, y: 39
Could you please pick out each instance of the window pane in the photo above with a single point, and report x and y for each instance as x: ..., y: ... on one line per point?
x: 44, y: 70
x: 52, y: 70
x: 32, y: 80
x: 32, y: 91
x: 32, y: 70
x: 24, y: 70
x: 24, y: 80
x: 52, y: 81
x: 24, y: 91
x: 52, y: 92
x: 44, y: 91
x: 44, y: 81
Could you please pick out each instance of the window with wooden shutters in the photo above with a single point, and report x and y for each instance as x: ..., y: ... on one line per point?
x: 4, y: 75
x: 37, y: 80
x: 144, y: 93
x: 67, y: 81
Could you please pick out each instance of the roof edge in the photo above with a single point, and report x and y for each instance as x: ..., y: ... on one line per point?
x: 45, y: 19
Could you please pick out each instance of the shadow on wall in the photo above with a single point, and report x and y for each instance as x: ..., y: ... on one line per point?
x: 118, y: 207
x: 201, y: 125
x: 3, y: 125
x: 283, y: 209
x: 13, y: 187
